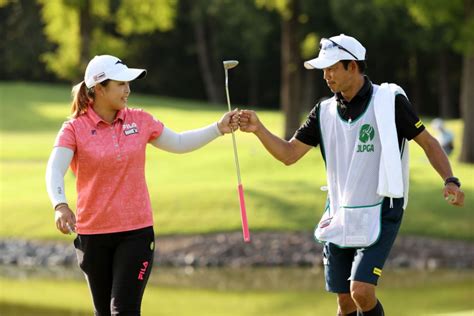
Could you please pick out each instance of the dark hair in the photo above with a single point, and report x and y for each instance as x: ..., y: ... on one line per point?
x: 82, y: 97
x: 361, y: 64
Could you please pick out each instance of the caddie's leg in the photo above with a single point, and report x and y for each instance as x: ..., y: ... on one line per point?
x: 337, y: 270
x: 346, y: 305
x: 369, y: 262
x: 363, y: 294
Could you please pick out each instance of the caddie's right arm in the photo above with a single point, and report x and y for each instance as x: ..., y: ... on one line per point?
x: 285, y: 151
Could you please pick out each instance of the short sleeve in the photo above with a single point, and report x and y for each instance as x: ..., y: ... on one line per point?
x: 154, y: 126
x: 408, y: 123
x: 309, y: 133
x: 66, y: 137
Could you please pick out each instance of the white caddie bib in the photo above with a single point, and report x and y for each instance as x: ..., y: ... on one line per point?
x: 352, y: 152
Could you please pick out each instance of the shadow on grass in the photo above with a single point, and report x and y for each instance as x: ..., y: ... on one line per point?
x: 24, y: 310
x: 428, y: 214
x: 294, y: 214
x: 141, y: 100
x: 20, y: 106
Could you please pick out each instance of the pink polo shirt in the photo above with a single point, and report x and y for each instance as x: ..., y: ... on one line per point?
x: 109, y: 164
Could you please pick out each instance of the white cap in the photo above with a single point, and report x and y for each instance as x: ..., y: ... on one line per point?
x: 104, y: 67
x: 334, y: 49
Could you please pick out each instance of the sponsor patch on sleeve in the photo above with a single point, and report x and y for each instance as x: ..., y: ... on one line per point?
x: 418, y: 124
x: 377, y: 271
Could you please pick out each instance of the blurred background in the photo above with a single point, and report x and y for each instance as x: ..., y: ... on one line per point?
x: 425, y: 46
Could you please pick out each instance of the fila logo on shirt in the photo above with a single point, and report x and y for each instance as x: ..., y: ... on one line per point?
x: 130, y: 129
x: 366, y: 134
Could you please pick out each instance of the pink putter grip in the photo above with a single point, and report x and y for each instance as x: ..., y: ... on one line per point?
x: 243, y: 214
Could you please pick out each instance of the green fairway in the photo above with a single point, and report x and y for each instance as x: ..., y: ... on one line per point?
x: 197, y: 192
x: 251, y: 292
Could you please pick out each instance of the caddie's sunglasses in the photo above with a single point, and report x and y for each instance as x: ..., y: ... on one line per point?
x: 321, y: 46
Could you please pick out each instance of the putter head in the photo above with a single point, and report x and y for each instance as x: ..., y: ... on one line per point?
x: 229, y: 64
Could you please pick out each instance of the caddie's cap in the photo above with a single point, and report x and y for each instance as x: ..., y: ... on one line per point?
x: 334, y: 49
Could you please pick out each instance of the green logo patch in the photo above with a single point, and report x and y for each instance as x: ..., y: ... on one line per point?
x: 366, y: 133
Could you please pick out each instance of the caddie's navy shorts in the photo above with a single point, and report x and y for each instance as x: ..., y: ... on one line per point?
x: 343, y: 265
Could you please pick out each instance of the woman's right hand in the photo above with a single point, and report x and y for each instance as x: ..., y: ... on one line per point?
x: 65, y: 219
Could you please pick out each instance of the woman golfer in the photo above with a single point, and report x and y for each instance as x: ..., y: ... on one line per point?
x: 104, y: 143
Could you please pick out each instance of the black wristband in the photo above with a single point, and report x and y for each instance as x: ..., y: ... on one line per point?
x: 452, y: 180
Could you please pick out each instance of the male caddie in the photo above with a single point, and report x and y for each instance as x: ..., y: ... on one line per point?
x: 363, y: 132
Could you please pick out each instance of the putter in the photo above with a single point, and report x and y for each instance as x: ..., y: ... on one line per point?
x: 70, y: 228
x: 229, y: 64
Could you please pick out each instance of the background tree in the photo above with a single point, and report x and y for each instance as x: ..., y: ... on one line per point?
x: 84, y: 28
x: 457, y: 21
x: 303, y: 23
x: 290, y: 92
x: 19, y: 20
x: 290, y: 61
x: 227, y: 30
x: 467, y: 91
x: 270, y: 42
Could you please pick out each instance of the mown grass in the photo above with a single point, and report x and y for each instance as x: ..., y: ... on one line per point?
x: 196, y: 192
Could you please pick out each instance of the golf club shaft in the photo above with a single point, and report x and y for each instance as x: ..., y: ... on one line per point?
x: 234, y: 143
x: 243, y: 210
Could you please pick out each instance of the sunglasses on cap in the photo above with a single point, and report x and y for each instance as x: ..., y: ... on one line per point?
x: 327, y: 43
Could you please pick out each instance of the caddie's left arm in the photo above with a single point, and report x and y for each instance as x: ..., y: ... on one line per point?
x: 438, y: 159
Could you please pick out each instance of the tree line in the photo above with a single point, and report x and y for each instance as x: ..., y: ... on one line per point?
x: 426, y: 46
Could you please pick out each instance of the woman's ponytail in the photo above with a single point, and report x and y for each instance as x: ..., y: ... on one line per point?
x: 81, y: 97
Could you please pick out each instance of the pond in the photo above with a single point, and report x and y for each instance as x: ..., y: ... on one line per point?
x: 229, y: 292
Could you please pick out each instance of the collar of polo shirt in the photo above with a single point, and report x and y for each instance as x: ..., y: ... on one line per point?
x: 97, y: 119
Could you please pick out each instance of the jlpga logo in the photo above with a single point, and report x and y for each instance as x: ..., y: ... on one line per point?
x: 366, y: 134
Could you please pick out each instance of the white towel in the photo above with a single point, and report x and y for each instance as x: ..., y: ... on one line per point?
x: 393, y: 179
